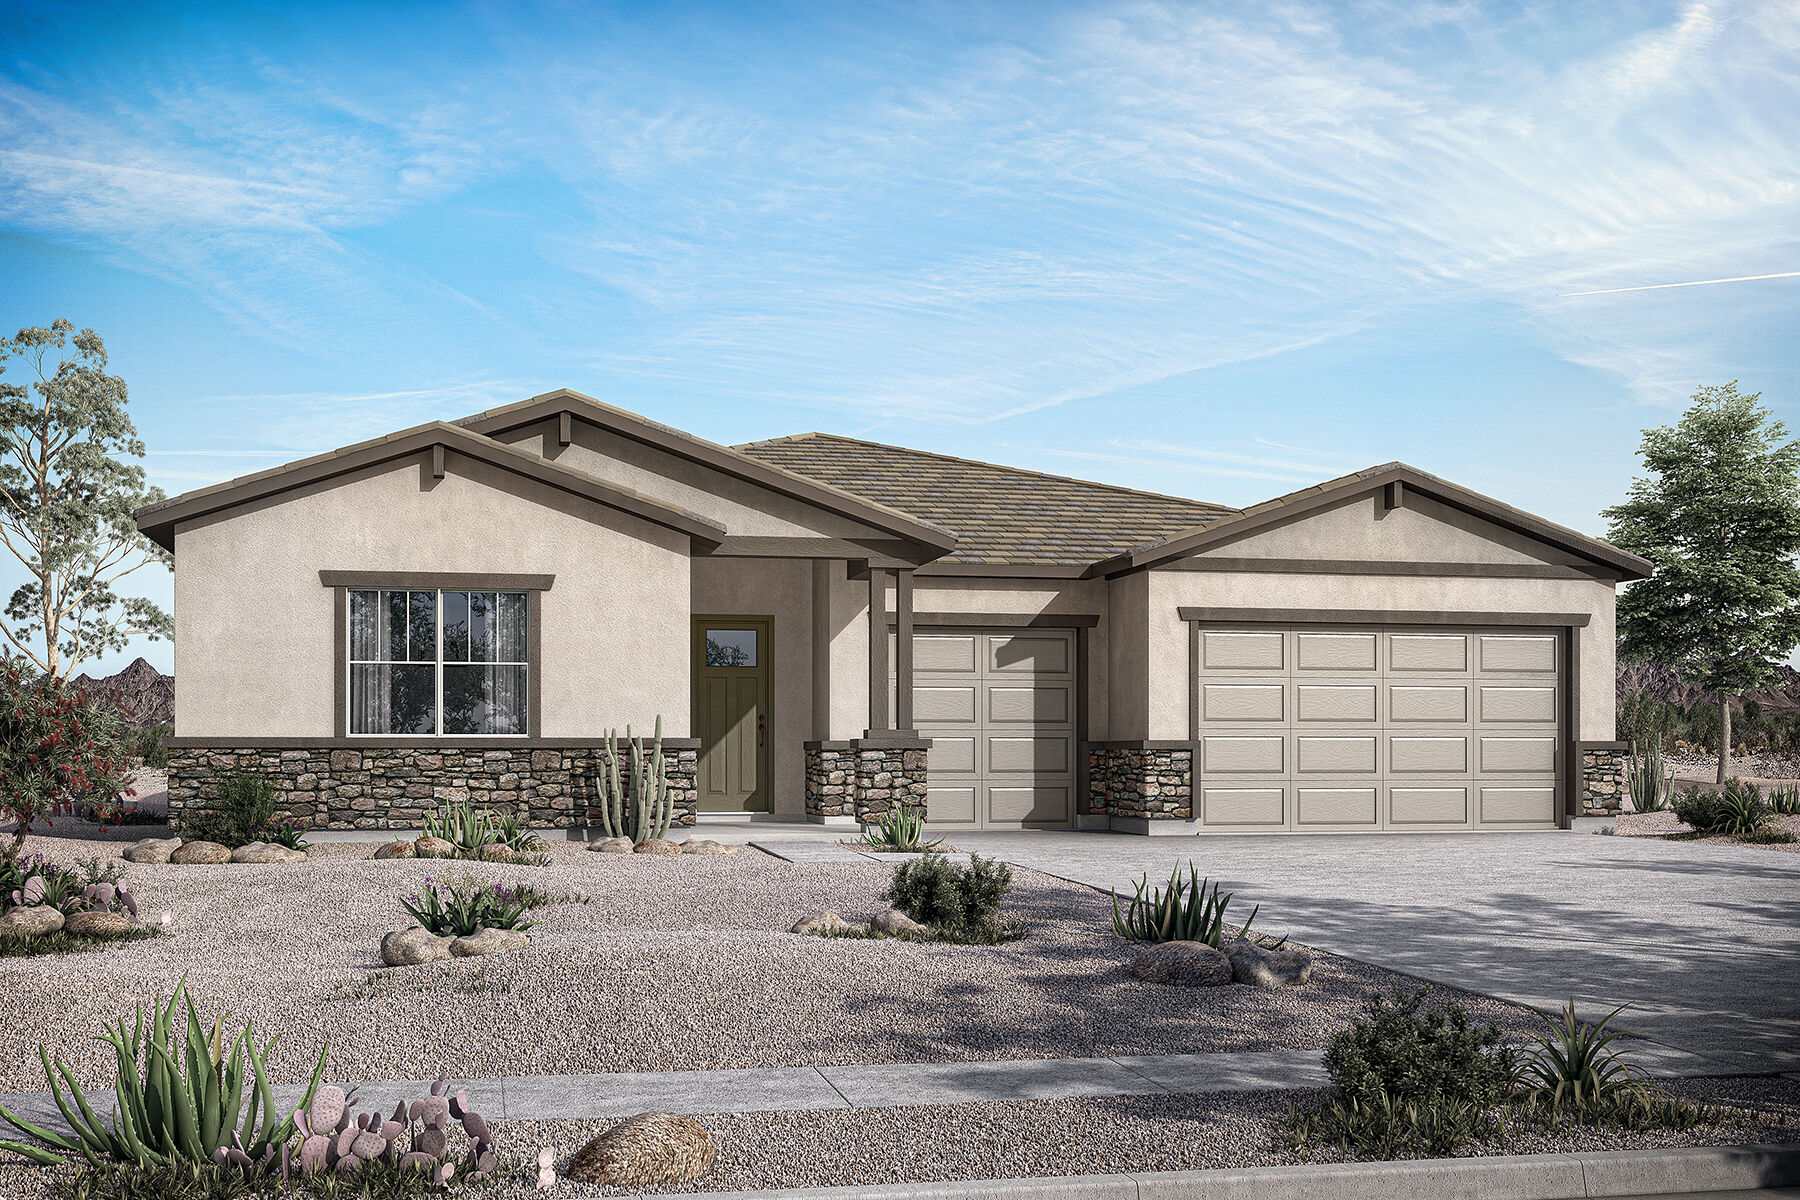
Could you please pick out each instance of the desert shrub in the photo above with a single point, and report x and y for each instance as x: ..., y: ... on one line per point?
x: 1733, y: 811
x: 58, y: 748
x: 147, y: 745
x: 460, y: 907
x: 963, y: 902
x: 1398, y: 1050
x: 243, y: 813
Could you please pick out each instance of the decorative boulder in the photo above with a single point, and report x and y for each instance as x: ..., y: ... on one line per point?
x: 706, y: 846
x: 488, y: 941
x: 895, y: 921
x: 657, y: 846
x: 822, y: 922
x: 152, y: 850
x: 612, y: 846
x: 1183, y: 964
x: 400, y: 849
x: 409, y: 947
x: 265, y: 852
x: 30, y: 920
x: 98, y: 924
x: 433, y: 847
x: 496, y: 852
x: 1259, y: 967
x: 649, y: 1150
x: 205, y: 853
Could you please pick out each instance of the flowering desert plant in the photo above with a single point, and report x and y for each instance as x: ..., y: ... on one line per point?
x: 58, y: 746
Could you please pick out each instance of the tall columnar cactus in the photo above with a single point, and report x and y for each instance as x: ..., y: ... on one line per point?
x: 650, y: 808
x: 1648, y: 780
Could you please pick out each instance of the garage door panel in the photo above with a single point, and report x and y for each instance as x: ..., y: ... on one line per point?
x: 932, y: 704
x: 1518, y: 704
x: 1428, y: 652
x: 1243, y: 755
x: 1028, y: 755
x: 950, y: 802
x: 1335, y: 806
x: 1518, y: 754
x: 1029, y: 655
x: 1046, y: 705
x: 1323, y: 702
x: 1518, y: 805
x: 1518, y: 652
x: 1334, y: 755
x: 1427, y: 703
x: 1242, y: 701
x: 1334, y: 651
x: 943, y: 652
x: 1243, y: 806
x: 1429, y: 755
x: 951, y: 753
x: 1428, y: 805
x: 1231, y: 651
x: 1036, y: 805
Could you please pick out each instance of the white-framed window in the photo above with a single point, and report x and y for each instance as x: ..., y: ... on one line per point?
x: 428, y: 662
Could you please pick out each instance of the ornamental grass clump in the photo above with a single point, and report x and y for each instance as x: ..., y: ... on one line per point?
x: 464, y: 907
x: 961, y: 903
x: 1190, y: 911
x: 1736, y: 810
x: 189, y: 1104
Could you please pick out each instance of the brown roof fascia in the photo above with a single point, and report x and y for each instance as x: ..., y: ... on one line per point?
x: 1298, y: 503
x: 157, y: 521
x: 710, y: 454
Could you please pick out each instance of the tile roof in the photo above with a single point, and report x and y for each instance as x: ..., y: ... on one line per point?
x: 1000, y: 515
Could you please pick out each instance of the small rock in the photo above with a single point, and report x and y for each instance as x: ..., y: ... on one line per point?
x: 612, y: 846
x: 1260, y: 967
x: 205, y: 853
x: 401, y: 849
x: 895, y: 921
x: 409, y: 947
x: 433, y: 847
x: 649, y: 1150
x: 152, y: 850
x: 98, y: 924
x: 496, y: 852
x: 30, y: 920
x: 488, y: 941
x: 1183, y: 964
x: 706, y: 846
x: 823, y: 921
x: 657, y: 846
x: 265, y: 852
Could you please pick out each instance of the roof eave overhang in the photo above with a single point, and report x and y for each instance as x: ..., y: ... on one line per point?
x: 710, y: 454
x: 1627, y: 565
x: 158, y: 521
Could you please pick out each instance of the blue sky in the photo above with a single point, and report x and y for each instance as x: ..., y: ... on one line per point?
x: 1217, y: 250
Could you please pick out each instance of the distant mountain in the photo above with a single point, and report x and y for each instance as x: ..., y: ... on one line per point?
x: 1663, y: 683
x: 145, y: 695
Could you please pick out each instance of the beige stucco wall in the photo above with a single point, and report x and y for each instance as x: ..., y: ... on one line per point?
x: 847, y: 628
x: 782, y: 589
x: 1128, y: 602
x: 1422, y: 530
x: 255, y: 640
x: 745, y: 509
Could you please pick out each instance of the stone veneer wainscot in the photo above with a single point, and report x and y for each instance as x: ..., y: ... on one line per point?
x: 864, y: 780
x: 1603, y: 778
x: 389, y: 787
x: 1139, y: 779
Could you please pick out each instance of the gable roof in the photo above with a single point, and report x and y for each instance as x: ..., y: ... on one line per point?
x: 157, y: 521
x: 1001, y: 515
x: 858, y: 504
x: 1332, y: 491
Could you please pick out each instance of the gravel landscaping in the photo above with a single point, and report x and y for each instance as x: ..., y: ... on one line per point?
x: 675, y: 963
x: 1661, y: 824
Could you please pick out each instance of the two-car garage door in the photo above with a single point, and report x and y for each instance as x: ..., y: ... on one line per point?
x: 1378, y: 728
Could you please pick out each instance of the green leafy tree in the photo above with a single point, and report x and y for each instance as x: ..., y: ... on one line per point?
x: 1719, y: 516
x: 66, y: 502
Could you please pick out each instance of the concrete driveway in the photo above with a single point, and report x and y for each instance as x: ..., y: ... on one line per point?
x: 1702, y: 940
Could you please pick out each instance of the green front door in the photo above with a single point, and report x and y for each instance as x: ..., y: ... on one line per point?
x: 732, y: 657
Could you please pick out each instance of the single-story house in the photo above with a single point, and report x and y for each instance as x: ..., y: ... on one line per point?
x: 826, y: 627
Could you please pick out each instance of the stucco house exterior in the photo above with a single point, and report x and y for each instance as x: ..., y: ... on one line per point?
x: 826, y: 627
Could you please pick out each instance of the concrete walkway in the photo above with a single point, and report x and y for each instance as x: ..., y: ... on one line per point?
x: 1699, y: 939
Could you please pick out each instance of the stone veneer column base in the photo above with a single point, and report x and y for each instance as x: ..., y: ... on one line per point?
x: 859, y: 781
x: 1143, y: 787
x: 394, y: 787
x: 1601, y: 790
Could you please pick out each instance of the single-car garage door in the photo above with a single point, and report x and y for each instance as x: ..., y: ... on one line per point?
x: 999, y: 708
x: 1318, y: 727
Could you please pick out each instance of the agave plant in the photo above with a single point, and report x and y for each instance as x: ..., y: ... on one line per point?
x: 1648, y: 780
x: 1785, y: 800
x: 463, y: 825
x: 901, y: 829
x: 1576, y: 1064
x: 1190, y: 911
x: 185, y: 1107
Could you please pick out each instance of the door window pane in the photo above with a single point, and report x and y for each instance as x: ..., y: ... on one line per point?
x: 731, y: 647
